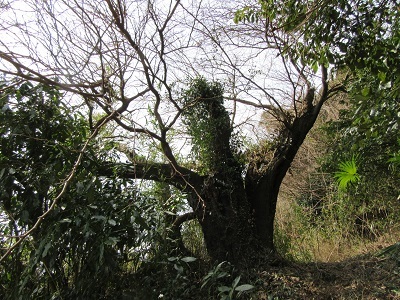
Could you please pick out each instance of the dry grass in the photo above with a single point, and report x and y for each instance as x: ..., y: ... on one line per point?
x: 363, y: 277
x: 302, y: 237
x: 328, y: 241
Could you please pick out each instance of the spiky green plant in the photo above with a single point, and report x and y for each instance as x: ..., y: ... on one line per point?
x: 347, y: 173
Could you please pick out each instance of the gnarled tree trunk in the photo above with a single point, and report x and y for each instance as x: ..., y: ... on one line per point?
x: 236, y: 212
x: 238, y: 215
x: 226, y: 220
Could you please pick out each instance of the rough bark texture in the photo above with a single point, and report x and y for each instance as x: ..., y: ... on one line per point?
x: 227, y: 223
x: 236, y: 214
x: 239, y: 215
x: 262, y: 189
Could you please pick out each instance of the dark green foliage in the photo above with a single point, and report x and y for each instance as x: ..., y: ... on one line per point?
x: 38, y: 148
x: 347, y: 173
x: 182, y: 278
x: 100, y: 229
x: 368, y: 127
x: 208, y: 124
x: 168, y: 278
x: 360, y: 36
x: 220, y: 278
x: 360, y: 146
x: 363, y: 38
x: 103, y: 239
x: 356, y: 33
x: 393, y: 251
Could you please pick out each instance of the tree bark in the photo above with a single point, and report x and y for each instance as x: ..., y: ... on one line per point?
x: 227, y: 223
x: 236, y: 214
x: 263, y: 189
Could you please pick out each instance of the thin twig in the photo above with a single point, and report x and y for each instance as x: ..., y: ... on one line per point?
x: 67, y: 181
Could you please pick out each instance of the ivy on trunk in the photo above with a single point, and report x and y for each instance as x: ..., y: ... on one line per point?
x: 234, y: 202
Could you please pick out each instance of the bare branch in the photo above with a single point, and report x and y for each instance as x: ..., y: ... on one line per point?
x: 184, y: 218
x: 183, y: 179
x: 63, y: 190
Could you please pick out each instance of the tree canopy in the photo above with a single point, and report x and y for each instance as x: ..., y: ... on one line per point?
x: 124, y: 120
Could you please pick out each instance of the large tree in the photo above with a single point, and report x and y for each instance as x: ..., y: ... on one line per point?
x: 129, y: 61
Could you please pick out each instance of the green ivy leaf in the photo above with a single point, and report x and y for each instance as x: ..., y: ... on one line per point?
x: 382, y: 76
x: 365, y: 91
x: 314, y: 66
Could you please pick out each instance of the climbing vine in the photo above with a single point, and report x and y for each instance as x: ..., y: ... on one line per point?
x: 208, y: 124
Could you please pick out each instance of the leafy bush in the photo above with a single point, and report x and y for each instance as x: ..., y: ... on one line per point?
x: 99, y: 231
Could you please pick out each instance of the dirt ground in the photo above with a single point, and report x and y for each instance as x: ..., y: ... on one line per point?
x: 364, y: 277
